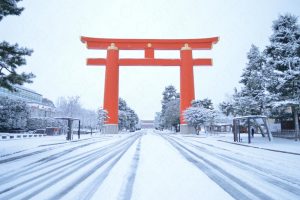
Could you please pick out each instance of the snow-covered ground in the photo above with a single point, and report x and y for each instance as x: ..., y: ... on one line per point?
x: 16, y: 145
x: 147, y: 165
x: 277, y: 144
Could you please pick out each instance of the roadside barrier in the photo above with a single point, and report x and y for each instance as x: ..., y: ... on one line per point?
x: 9, y: 136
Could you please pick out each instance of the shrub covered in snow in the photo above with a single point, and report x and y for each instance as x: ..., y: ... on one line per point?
x: 13, y: 114
x: 200, y: 113
x: 44, y: 122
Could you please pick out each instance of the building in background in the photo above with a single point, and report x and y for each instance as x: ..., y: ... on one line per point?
x: 147, y: 124
x: 38, y: 106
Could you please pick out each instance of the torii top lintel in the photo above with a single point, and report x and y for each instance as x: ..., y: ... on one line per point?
x: 159, y: 44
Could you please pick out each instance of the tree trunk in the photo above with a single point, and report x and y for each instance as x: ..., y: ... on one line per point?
x: 296, y: 121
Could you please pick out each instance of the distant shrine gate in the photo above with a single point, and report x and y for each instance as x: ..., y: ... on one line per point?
x: 112, y: 63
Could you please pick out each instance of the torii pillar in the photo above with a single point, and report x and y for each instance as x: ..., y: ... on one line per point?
x: 111, y: 89
x: 187, y: 88
x: 112, y: 63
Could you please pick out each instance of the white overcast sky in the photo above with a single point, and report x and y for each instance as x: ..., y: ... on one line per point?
x: 52, y: 29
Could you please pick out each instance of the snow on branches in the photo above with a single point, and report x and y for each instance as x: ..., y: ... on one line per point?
x: 128, y: 119
x: 198, y: 114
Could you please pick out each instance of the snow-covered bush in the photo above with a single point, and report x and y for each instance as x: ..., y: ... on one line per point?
x: 198, y: 116
x: 44, y: 122
x: 13, y: 114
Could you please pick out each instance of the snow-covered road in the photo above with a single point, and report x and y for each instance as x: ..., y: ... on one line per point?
x: 148, y: 165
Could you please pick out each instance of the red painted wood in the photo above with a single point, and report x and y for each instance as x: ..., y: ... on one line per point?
x: 187, y: 91
x: 149, y: 62
x: 141, y: 44
x: 149, y: 52
x: 111, y: 88
x: 96, y: 61
x: 202, y: 62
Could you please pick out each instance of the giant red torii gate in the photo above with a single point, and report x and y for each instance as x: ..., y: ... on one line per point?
x: 112, y: 63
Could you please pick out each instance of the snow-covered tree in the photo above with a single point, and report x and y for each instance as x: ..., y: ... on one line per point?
x: 157, y: 121
x: 12, y: 56
x: 102, y: 116
x: 226, y: 108
x: 252, y: 98
x: 198, y: 116
x: 205, y: 103
x: 128, y: 119
x: 200, y: 113
x: 172, y: 114
x: 253, y: 90
x: 122, y: 104
x: 69, y: 107
x: 9, y: 7
x: 89, y: 118
x: 220, y: 117
x: 132, y: 119
x: 13, y: 114
x: 169, y: 94
x: 283, y: 64
x: 122, y: 119
x: 243, y: 104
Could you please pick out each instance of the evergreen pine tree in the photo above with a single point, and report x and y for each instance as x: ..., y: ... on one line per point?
x: 12, y: 56
x: 169, y: 94
x: 283, y: 64
x: 226, y: 108
x: 172, y: 114
x: 9, y: 7
x: 252, y: 93
x: 205, y: 103
x: 128, y: 119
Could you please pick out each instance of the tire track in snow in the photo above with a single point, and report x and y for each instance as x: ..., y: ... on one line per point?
x: 218, y: 175
x: 266, y: 174
x: 44, y: 177
x: 210, y: 145
x: 32, y: 169
x: 59, y: 154
x: 3, y: 161
x: 100, y: 178
x: 53, y: 144
x: 126, y: 190
x: 42, y: 182
x: 65, y: 152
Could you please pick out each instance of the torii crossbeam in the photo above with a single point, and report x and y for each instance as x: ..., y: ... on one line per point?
x: 112, y: 63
